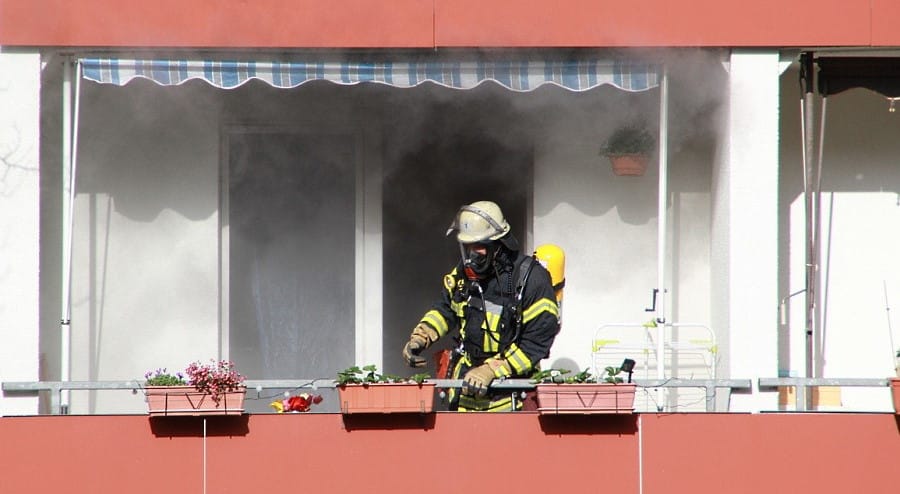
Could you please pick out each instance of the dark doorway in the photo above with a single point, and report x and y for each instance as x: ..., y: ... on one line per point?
x: 458, y: 158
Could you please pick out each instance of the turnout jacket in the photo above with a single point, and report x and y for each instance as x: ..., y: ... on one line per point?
x: 485, y: 313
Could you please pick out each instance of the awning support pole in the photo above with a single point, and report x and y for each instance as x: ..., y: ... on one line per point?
x: 662, y: 232
x: 66, y: 164
x: 69, y: 160
x: 810, y: 190
x: 819, y: 341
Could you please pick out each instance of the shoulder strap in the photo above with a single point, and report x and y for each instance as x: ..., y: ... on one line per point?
x: 523, y: 270
x: 520, y: 274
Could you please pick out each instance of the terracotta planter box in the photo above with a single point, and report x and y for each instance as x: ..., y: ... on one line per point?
x: 625, y: 165
x: 387, y: 398
x: 895, y: 393
x: 168, y: 401
x: 586, y: 398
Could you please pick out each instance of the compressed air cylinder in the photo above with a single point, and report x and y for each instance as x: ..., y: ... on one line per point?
x: 553, y: 259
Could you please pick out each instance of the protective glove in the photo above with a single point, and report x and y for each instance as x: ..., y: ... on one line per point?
x: 478, y: 379
x: 421, y: 338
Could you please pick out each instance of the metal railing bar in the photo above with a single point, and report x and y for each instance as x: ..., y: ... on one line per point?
x: 802, y: 383
x: 31, y: 388
x: 15, y: 387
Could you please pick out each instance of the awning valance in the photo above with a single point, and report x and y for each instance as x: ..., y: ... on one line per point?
x: 879, y: 74
x: 579, y: 75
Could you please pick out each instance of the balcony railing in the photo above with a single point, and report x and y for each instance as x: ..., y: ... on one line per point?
x: 717, y: 391
x: 801, y: 384
x: 713, y: 388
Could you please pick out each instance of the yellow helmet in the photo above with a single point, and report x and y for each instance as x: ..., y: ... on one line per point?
x: 479, y: 222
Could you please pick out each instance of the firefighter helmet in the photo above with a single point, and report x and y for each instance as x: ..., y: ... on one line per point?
x: 479, y: 222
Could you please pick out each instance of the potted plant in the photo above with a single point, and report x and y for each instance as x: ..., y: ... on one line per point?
x: 629, y: 148
x: 214, y: 388
x: 581, y: 393
x: 365, y: 390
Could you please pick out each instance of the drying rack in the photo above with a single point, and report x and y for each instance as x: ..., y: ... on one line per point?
x: 691, y: 352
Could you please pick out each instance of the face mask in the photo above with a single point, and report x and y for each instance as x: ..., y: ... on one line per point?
x: 477, y: 259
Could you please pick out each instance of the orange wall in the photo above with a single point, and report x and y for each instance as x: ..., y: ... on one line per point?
x: 447, y: 23
x: 217, y: 23
x: 652, y: 23
x: 447, y: 452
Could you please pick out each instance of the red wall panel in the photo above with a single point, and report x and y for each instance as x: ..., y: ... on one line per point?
x: 448, y: 23
x: 217, y: 23
x: 885, y: 17
x: 822, y: 453
x: 448, y: 452
x: 651, y: 23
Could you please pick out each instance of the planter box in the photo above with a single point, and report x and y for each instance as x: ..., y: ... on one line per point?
x: 168, y: 401
x: 387, y: 398
x: 588, y: 398
x: 895, y: 393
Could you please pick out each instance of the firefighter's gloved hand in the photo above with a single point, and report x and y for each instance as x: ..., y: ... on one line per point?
x: 477, y: 380
x: 421, y: 338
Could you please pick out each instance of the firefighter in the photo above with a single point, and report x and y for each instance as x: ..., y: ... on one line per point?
x: 502, y: 303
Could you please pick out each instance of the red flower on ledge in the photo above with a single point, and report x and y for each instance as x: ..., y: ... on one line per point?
x: 298, y: 403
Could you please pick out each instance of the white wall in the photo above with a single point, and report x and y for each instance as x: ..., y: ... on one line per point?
x: 19, y: 217
x: 745, y: 225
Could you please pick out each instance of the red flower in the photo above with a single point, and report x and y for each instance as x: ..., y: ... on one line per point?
x: 297, y: 404
x: 301, y: 403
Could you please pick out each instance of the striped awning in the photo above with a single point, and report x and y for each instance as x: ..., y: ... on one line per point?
x: 579, y: 75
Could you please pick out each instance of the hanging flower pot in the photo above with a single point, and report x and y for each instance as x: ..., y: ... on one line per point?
x: 387, y: 398
x: 215, y: 388
x: 365, y: 390
x: 628, y: 149
x: 582, y: 394
x: 585, y: 398
x: 629, y: 164
x: 172, y: 401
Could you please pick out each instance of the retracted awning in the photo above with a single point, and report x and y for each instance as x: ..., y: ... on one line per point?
x: 527, y: 75
x: 879, y: 74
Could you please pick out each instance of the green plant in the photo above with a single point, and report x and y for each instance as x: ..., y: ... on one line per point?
x: 612, y: 375
x: 559, y: 376
x: 629, y: 139
x: 161, y: 377
x: 369, y: 374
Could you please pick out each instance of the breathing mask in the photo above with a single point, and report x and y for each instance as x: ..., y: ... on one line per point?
x: 477, y: 259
